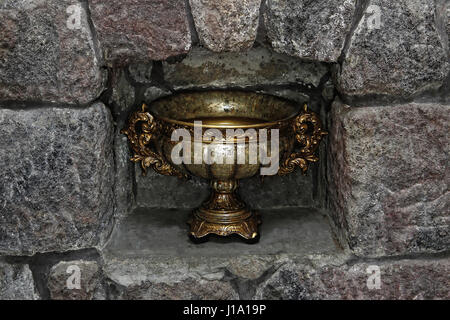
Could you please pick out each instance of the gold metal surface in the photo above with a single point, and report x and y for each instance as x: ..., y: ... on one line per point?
x: 308, y: 142
x: 140, y: 143
x: 224, y: 213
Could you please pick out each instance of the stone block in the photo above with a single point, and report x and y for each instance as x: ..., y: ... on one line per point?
x: 16, y: 282
x: 57, y: 178
x: 389, y: 177
x: 397, y: 49
x: 140, y: 30
x: 229, y: 25
x: 313, y: 30
x: 48, y: 52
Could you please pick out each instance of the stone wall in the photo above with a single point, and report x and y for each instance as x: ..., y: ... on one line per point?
x: 377, y: 71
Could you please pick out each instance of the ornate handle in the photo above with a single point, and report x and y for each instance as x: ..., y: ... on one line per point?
x: 141, y: 138
x: 308, y: 133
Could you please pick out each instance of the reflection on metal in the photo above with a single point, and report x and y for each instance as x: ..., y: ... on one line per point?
x: 150, y: 130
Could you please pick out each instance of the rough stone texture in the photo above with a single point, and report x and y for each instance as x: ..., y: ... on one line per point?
x: 447, y: 18
x: 155, y: 92
x: 314, y: 30
x: 288, y: 93
x: 163, y: 278
x: 124, y: 188
x: 403, y: 279
x: 123, y: 95
x: 141, y: 30
x: 47, y: 52
x: 228, y: 25
x: 61, y: 280
x: 404, y: 57
x: 141, y: 73
x: 151, y: 256
x: 257, y: 67
x: 151, y: 190
x: 121, y: 101
x: 16, y: 282
x: 389, y: 178
x: 155, y: 232
x: 57, y: 178
x: 329, y: 91
x: 443, y: 22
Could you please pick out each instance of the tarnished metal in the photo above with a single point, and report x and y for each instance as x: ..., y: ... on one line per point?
x: 150, y: 129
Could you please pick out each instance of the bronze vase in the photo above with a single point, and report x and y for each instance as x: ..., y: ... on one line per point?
x: 150, y: 131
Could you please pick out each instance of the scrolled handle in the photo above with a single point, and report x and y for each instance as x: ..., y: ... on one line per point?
x: 308, y: 135
x: 141, y: 138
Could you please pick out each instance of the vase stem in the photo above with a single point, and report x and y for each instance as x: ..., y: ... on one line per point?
x: 224, y: 213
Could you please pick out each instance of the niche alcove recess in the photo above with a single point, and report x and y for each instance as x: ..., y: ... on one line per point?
x: 294, y: 134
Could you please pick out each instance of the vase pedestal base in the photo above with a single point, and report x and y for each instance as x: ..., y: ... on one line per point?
x: 246, y: 227
x: 224, y: 214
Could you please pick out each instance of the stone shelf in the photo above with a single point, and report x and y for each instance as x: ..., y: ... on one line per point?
x: 150, y: 256
x: 164, y: 232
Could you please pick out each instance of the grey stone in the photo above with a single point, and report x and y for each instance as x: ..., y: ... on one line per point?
x: 226, y: 25
x: 141, y: 72
x: 154, y: 92
x: 389, y: 178
x: 123, y: 95
x: 158, y: 191
x: 328, y: 91
x: 122, y: 100
x: 62, y: 281
x: 286, y: 93
x: 124, y: 183
x: 399, y: 280
x: 256, y: 67
x: 314, y: 30
x: 447, y: 17
x: 130, y: 186
x: 287, y: 283
x: 166, y: 278
x: 443, y: 21
x: 151, y: 257
x: 252, y: 267
x: 16, y: 282
x: 48, y: 53
x: 293, y: 190
x: 403, y: 56
x: 141, y: 30
x: 57, y: 179
x: 150, y: 233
